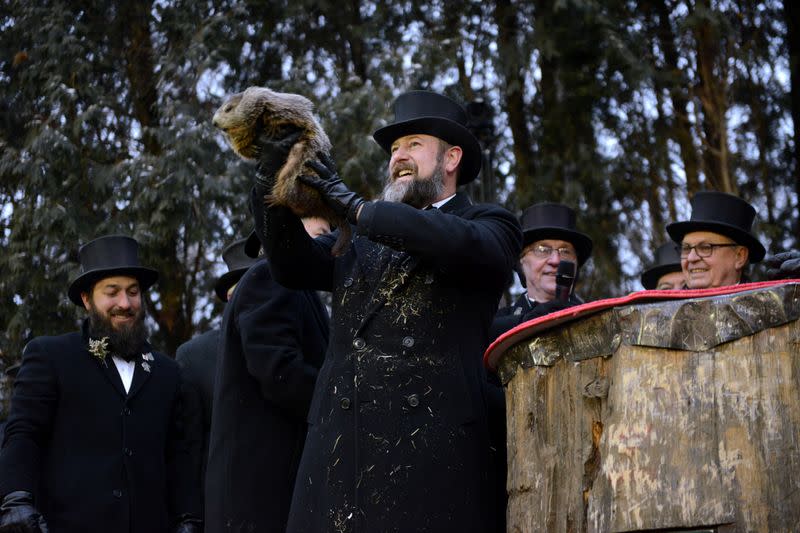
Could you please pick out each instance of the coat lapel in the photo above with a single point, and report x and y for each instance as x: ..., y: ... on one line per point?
x: 108, y: 368
x: 145, y: 366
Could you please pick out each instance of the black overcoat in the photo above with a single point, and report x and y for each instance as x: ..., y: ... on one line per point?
x: 197, y: 360
x: 397, y: 437
x: 95, y: 458
x: 273, y: 343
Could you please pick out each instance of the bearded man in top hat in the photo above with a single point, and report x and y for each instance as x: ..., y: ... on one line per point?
x: 197, y: 359
x: 666, y: 273
x: 716, y: 243
x: 397, y: 435
x: 272, y: 345
x: 94, y: 440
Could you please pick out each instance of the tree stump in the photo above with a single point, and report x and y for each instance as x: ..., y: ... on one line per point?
x: 673, y: 415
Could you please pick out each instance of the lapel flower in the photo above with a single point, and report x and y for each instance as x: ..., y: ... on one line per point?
x: 99, y: 348
x: 148, y: 356
x: 146, y: 367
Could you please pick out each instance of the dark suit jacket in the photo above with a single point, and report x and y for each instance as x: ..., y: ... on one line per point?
x: 95, y: 458
x: 273, y: 343
x: 397, y: 437
x: 197, y: 360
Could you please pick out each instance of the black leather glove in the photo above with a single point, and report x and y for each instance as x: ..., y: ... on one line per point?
x: 783, y: 265
x: 189, y: 524
x: 272, y: 155
x: 17, y: 510
x: 344, y: 202
x: 541, y: 309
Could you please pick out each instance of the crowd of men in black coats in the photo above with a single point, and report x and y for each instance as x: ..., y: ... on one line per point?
x: 379, y: 418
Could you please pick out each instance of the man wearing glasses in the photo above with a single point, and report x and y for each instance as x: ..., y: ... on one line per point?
x: 716, y: 243
x: 549, y: 237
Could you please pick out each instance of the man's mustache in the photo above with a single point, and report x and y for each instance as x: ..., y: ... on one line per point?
x: 400, y: 167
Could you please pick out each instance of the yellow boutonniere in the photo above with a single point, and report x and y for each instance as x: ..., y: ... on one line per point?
x: 99, y: 348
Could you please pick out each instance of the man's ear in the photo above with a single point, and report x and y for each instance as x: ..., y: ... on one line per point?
x: 454, y: 155
x: 86, y: 300
x: 742, y: 256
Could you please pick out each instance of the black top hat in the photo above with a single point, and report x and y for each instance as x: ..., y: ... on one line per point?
x: 668, y: 259
x: 112, y: 255
x: 549, y: 220
x: 721, y: 213
x: 425, y: 112
x: 238, y: 262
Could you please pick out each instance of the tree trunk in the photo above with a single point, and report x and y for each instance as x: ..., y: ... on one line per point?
x: 682, y: 128
x: 792, y: 10
x: 139, y: 65
x: 712, y: 94
x: 173, y: 317
x: 513, y: 74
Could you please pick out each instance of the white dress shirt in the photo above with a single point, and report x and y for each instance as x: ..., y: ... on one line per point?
x: 125, y: 369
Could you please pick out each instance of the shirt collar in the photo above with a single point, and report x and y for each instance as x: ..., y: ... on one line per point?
x: 440, y: 203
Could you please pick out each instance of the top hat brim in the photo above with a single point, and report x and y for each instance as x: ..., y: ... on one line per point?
x: 443, y: 128
x: 677, y: 230
x: 228, y: 280
x: 146, y: 276
x: 581, y: 241
x: 650, y: 277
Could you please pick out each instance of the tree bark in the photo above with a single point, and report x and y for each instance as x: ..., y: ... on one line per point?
x: 712, y: 93
x: 513, y: 73
x: 792, y: 12
x: 139, y: 66
x: 681, y: 128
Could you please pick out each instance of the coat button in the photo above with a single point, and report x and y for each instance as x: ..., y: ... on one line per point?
x: 127, y: 451
x: 345, y: 403
x: 347, y: 282
x: 359, y: 343
x: 126, y: 411
x: 413, y: 400
x: 117, y: 493
x: 408, y: 342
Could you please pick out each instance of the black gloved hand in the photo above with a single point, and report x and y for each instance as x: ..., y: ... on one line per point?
x: 541, y: 309
x: 189, y: 524
x: 273, y: 152
x: 344, y: 202
x: 783, y: 265
x: 17, y: 510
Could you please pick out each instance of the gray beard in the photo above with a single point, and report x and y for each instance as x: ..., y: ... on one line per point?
x: 419, y: 192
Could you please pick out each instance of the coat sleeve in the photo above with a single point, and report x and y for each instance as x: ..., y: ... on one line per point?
x: 270, y: 320
x: 486, y: 241
x: 296, y: 260
x: 33, y: 406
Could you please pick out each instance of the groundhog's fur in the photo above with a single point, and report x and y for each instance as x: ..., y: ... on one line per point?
x: 244, y: 116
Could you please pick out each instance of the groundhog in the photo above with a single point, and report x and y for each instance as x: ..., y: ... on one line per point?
x: 246, y: 115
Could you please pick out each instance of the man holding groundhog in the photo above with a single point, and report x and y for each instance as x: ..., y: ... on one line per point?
x: 397, y: 437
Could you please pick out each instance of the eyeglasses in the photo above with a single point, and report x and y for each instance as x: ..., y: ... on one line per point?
x: 704, y: 249
x: 541, y: 251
